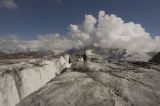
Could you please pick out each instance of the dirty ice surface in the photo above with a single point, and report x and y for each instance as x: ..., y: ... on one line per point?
x: 101, y: 84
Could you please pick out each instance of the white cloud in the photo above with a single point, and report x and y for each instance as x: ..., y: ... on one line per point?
x: 43, y: 42
x: 108, y: 31
x: 8, y: 4
x: 89, y: 24
x: 54, y: 41
x: 9, y: 43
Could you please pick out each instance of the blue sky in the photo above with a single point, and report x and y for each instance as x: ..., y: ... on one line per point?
x: 29, y: 18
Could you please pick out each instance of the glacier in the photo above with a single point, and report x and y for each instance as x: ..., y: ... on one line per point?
x: 57, y: 82
x: 21, y: 78
x: 102, y: 83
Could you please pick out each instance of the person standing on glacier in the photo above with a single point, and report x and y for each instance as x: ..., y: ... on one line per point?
x: 84, y: 56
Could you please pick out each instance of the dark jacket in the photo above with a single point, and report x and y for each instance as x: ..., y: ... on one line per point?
x: 84, y: 56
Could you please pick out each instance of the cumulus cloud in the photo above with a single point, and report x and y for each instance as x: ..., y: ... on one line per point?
x: 107, y: 31
x: 8, y: 4
x: 110, y: 31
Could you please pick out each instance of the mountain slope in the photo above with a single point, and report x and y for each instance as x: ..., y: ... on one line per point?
x: 156, y: 58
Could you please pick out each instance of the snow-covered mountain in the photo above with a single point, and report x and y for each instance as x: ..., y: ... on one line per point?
x: 113, y: 54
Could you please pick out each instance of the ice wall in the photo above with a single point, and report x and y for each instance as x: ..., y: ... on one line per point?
x: 20, y: 80
x: 8, y: 91
x: 35, y: 77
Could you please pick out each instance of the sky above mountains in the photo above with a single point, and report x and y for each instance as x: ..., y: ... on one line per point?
x: 29, y: 18
x: 64, y: 24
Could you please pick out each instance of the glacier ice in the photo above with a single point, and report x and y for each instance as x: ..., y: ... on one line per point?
x: 101, y: 84
x: 21, y: 79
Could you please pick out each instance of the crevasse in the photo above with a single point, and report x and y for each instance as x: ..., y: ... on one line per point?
x: 20, y: 80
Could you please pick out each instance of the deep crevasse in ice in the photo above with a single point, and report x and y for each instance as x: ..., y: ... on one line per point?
x: 20, y: 80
